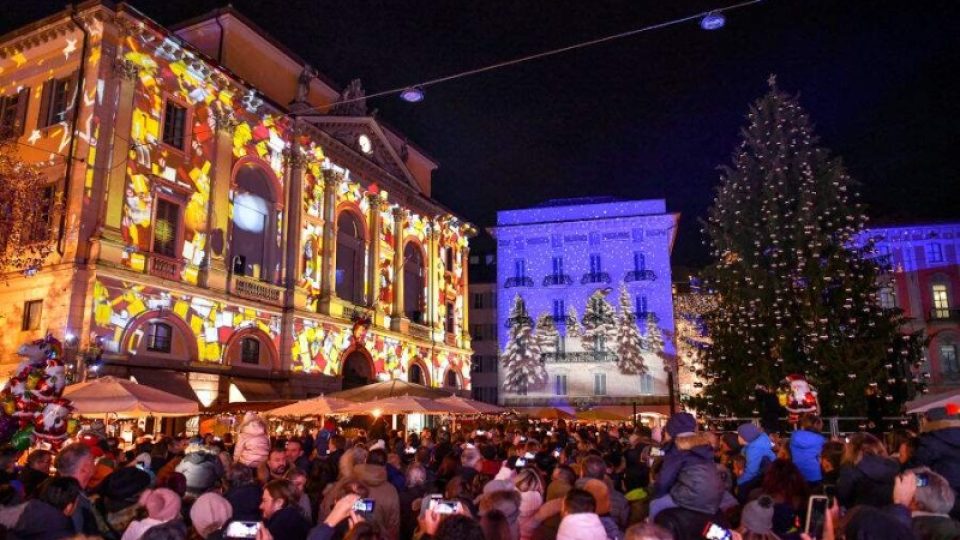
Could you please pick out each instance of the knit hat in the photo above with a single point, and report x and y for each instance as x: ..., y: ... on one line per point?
x: 757, y: 515
x: 585, y: 526
x: 209, y: 513
x: 730, y: 439
x: 123, y: 486
x: 749, y: 432
x: 601, y: 494
x: 161, y: 504
x: 681, y: 424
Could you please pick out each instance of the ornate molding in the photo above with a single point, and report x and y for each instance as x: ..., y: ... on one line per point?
x: 126, y: 69
x: 224, y: 119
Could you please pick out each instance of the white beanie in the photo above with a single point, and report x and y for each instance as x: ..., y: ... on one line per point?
x: 584, y: 526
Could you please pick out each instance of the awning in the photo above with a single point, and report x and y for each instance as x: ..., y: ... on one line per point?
x: 254, y: 390
x: 172, y: 382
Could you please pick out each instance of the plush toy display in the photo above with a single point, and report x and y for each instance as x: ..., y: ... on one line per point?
x: 798, y: 396
x: 31, y: 408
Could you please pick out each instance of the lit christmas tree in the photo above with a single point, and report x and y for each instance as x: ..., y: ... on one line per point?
x: 522, y: 365
x: 795, y: 295
x: 547, y: 333
x: 629, y: 342
x: 25, y: 209
x: 653, y: 337
x: 599, y: 322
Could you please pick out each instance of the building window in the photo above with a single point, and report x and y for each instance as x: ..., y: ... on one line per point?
x: 934, y: 252
x: 254, y: 211
x: 557, y: 266
x: 13, y: 113
x: 477, y: 332
x: 559, y: 312
x: 639, y: 261
x: 159, y: 337
x: 599, y: 384
x: 642, y: 307
x: 448, y: 323
x: 174, y: 125
x: 55, y: 101
x: 560, y: 386
x: 646, y: 384
x: 250, y: 351
x: 522, y: 388
x: 350, y: 258
x: 451, y: 380
x: 166, y: 226
x: 448, y: 259
x: 949, y: 366
x: 941, y: 303
x: 519, y: 268
x: 477, y: 301
x: 888, y: 299
x: 416, y: 375
x: 32, y: 309
x: 41, y: 228
x: 596, y: 265
x: 414, y: 287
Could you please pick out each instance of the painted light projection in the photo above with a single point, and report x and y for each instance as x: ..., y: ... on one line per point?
x: 584, y: 301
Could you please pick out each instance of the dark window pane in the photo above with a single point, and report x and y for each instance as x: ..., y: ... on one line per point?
x: 32, y: 310
x: 159, y: 337
x: 250, y: 351
x: 165, y: 228
x: 174, y: 125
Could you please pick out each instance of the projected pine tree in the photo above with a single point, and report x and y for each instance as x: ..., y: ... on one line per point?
x: 629, y: 342
x: 547, y: 333
x: 653, y: 337
x: 599, y: 322
x: 520, y: 360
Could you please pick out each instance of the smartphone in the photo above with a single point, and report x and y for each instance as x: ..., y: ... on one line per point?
x: 715, y: 532
x: 816, y: 516
x: 556, y: 453
x: 923, y: 480
x: 529, y: 455
x: 242, y: 529
x: 523, y: 439
x: 363, y: 506
x: 656, y: 452
x: 445, y: 506
x: 520, y: 463
x: 410, y: 450
x: 481, y: 432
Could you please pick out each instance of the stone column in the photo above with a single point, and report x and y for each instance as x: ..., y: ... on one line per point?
x: 373, y: 252
x: 433, y: 257
x: 399, y: 217
x: 127, y: 74
x: 218, y: 207
x: 328, y: 267
x: 465, y: 295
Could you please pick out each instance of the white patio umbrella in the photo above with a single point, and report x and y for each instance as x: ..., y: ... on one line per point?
x: 122, y: 398
x: 318, y: 406
x: 478, y: 407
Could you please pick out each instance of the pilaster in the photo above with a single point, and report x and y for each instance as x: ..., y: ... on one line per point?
x: 399, y: 224
x: 373, y: 254
x: 433, y: 258
x: 293, y: 250
x: 331, y: 181
x: 218, y: 216
x: 464, y: 296
x: 127, y: 75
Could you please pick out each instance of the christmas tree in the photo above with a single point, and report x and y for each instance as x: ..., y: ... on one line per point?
x: 795, y: 294
x: 574, y: 328
x: 599, y: 322
x: 547, y: 333
x: 653, y: 337
x: 629, y: 342
x: 25, y: 208
x: 522, y: 365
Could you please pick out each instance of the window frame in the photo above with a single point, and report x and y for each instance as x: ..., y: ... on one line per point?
x: 358, y: 291
x: 46, y: 118
x: 152, y: 337
x: 15, y: 104
x: 246, y: 354
x: 170, y: 99
x: 178, y: 232
x: 940, y: 300
x: 933, y: 252
x: 599, y: 384
x: 560, y: 387
x: 27, y: 322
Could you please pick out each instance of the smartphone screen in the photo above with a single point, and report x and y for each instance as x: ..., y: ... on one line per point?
x: 520, y: 463
x: 242, y: 529
x: 364, y: 506
x: 716, y: 532
x: 816, y: 516
x: 922, y: 480
x: 444, y: 506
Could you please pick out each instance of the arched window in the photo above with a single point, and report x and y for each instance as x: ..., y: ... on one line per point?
x: 416, y: 375
x: 350, y: 250
x: 254, y: 223
x: 250, y: 350
x: 413, y: 283
x: 159, y: 337
x: 451, y: 380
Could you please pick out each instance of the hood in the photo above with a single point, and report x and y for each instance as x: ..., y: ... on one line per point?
x: 878, y: 468
x: 371, y: 475
x: 696, y: 440
x: 762, y: 441
x: 806, y: 440
x: 40, y: 520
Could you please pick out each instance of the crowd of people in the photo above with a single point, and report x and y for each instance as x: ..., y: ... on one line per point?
x: 503, y: 481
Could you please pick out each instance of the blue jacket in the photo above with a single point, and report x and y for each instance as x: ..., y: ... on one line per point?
x: 805, y: 448
x: 755, y: 452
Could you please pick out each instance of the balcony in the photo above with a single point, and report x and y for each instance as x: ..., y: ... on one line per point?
x: 595, y: 277
x: 640, y: 275
x: 579, y: 357
x: 944, y: 315
x: 165, y: 267
x: 253, y: 289
x: 642, y: 316
x: 557, y: 279
x: 518, y: 281
x: 418, y: 331
x: 450, y: 339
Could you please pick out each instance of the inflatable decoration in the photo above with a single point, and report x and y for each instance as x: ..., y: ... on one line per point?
x: 31, y: 406
x: 798, y: 397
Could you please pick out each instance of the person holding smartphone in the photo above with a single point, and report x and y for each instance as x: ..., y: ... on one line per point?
x: 281, y: 514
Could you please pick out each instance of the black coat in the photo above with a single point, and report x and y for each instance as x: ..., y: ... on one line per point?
x: 870, y: 482
x: 939, y: 449
x: 289, y: 524
x: 40, y: 521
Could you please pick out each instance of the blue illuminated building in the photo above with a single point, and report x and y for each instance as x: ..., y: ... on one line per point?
x: 555, y: 256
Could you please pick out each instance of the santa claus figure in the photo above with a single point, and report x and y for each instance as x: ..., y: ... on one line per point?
x: 798, y: 397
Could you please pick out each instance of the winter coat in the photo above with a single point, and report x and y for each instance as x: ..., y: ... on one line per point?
x: 934, y: 526
x: 685, y: 524
x: 386, y: 510
x: 610, y: 526
x: 245, y: 501
x: 805, y: 448
x: 202, y: 468
x: 619, y: 507
x: 408, y: 517
x: 253, y: 444
x: 939, y: 448
x: 41, y: 521
x: 530, y: 502
x: 870, y: 482
x: 756, y: 452
x: 689, y: 475
x: 288, y: 523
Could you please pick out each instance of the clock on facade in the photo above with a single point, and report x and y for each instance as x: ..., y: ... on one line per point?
x: 366, y: 145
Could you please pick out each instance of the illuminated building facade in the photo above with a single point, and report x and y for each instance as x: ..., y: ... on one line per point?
x: 227, y: 214
x: 691, y: 304
x: 557, y: 256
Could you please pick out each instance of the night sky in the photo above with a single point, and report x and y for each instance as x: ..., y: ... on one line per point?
x: 646, y: 116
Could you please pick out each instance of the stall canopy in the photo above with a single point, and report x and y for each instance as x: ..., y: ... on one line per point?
x: 391, y: 388
x: 548, y: 413
x: 321, y: 405
x: 933, y: 401
x: 599, y: 414
x: 122, y: 398
x: 478, y: 407
x: 252, y: 390
x: 405, y: 405
x: 172, y: 382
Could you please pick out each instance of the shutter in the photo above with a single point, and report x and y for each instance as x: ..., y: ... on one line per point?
x: 45, y: 96
x: 20, y: 121
x: 72, y: 88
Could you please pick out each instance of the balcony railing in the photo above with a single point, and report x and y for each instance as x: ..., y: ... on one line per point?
x: 944, y: 314
x: 557, y: 279
x: 253, y: 289
x: 579, y: 357
x: 640, y: 275
x: 595, y: 277
x: 165, y: 267
x: 518, y: 281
